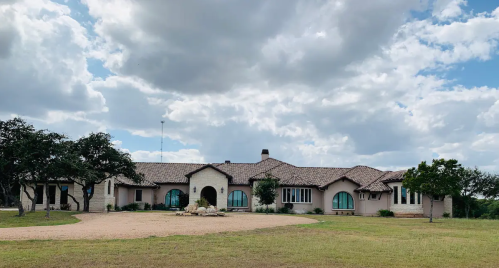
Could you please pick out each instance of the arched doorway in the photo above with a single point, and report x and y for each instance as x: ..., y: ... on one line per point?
x: 210, y: 194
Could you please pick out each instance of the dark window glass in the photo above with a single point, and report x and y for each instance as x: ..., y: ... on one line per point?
x: 52, y: 194
x: 237, y: 199
x: 39, y: 191
x: 109, y: 187
x: 138, y: 195
x: 419, y: 198
x: 395, y: 194
x: 413, y: 198
x: 373, y: 196
x: 89, y: 190
x: 172, y: 198
x: 64, y: 195
x: 404, y: 195
x: 342, y: 201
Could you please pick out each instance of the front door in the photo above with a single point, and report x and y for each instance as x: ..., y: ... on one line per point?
x: 210, y: 194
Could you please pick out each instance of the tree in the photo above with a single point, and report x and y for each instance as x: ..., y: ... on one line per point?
x: 12, y: 133
x: 438, y: 179
x: 472, y: 182
x: 93, y: 159
x: 491, y: 190
x: 266, y: 190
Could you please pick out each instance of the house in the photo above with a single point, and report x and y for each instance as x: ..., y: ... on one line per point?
x: 359, y: 190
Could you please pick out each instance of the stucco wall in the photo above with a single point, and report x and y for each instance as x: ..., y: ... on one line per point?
x: 209, y: 177
x: 122, y: 196
x: 147, y: 196
x: 255, y: 200
x: 370, y: 207
x: 247, y: 190
x: 160, y: 194
x: 333, y: 189
x: 438, y: 207
x: 317, y: 200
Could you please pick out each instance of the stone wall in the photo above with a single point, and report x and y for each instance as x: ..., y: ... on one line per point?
x: 408, y: 208
x: 57, y: 205
x: 209, y: 177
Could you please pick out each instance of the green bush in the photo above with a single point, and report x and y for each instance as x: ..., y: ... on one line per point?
x: 223, y: 210
x: 446, y: 215
x: 283, y: 210
x: 202, y: 202
x: 183, y: 200
x: 310, y: 212
x: 385, y: 213
x: 147, y: 206
x: 131, y: 207
x: 117, y: 208
x: 289, y: 206
x: 109, y: 207
x: 264, y: 210
x: 318, y: 211
x: 485, y: 216
x: 65, y: 206
x: 159, y: 207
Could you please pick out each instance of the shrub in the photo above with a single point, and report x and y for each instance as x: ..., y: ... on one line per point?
x: 159, y: 207
x: 183, y: 200
x: 202, y: 202
x: 109, y: 207
x: 318, y: 211
x: 147, y: 206
x: 263, y: 210
x: 283, y: 210
x: 289, y: 206
x: 485, y: 216
x: 117, y: 208
x: 223, y: 210
x: 310, y: 212
x: 446, y: 215
x: 65, y: 206
x: 385, y: 213
x: 131, y: 207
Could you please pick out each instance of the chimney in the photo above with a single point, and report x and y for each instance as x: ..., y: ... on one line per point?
x: 265, y: 154
x: 227, y: 161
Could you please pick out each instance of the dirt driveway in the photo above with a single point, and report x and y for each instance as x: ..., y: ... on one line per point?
x: 137, y: 225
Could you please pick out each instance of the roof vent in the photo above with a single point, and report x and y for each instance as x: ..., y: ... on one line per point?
x: 265, y: 154
x: 227, y: 161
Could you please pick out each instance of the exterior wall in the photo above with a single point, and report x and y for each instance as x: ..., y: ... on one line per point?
x: 122, y: 196
x: 438, y: 207
x: 99, y: 199
x: 147, y: 196
x: 247, y: 190
x: 333, y: 189
x: 160, y: 194
x: 370, y: 207
x: 448, y: 205
x: 109, y: 197
x: 26, y: 202
x: 255, y: 200
x: 317, y: 200
x: 209, y: 177
x: 405, y: 209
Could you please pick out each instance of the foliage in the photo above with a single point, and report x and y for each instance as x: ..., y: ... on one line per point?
x: 385, y: 213
x: 473, y: 182
x: 147, y: 206
x: 309, y: 212
x: 223, y: 210
x: 266, y: 190
x: 478, y: 207
x: 131, y: 207
x: 109, y: 207
x: 438, y: 179
x: 117, y: 208
x: 264, y: 210
x: 183, y: 200
x: 446, y: 215
x: 283, y: 210
x: 289, y: 205
x: 202, y: 202
x: 66, y: 207
x: 160, y: 206
x: 318, y: 211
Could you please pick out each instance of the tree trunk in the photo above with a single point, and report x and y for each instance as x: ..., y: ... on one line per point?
x: 72, y: 197
x: 6, y: 200
x: 267, y: 211
x: 431, y: 209
x: 33, y: 200
x: 8, y: 194
x: 20, y: 208
x: 47, y: 195
x: 467, y: 209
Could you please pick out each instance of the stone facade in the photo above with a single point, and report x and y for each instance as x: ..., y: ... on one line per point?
x: 209, y: 177
x: 404, y: 209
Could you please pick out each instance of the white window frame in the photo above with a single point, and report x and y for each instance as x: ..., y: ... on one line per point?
x: 361, y: 196
x: 296, y: 188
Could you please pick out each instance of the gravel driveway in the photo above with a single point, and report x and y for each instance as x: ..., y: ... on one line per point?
x: 137, y: 225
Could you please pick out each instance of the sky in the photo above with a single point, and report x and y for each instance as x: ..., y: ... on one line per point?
x: 337, y: 83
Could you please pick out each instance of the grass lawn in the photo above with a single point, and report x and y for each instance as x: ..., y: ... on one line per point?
x: 9, y: 219
x: 334, y: 241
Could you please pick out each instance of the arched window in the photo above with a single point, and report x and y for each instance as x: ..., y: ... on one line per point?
x: 342, y: 200
x: 237, y: 199
x: 172, y: 199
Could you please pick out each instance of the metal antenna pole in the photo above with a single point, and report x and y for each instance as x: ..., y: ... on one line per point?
x: 162, y: 124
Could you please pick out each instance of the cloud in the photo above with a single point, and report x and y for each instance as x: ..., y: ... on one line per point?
x: 448, y: 9
x: 180, y: 156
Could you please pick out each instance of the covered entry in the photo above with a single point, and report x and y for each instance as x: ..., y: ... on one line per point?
x: 210, y: 194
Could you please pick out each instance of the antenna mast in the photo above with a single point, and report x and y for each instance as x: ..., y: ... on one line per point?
x: 162, y: 124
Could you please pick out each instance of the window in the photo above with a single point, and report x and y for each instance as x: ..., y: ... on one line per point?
x: 404, y: 195
x: 438, y: 198
x: 64, y: 195
x: 342, y: 200
x: 237, y: 199
x: 413, y: 198
x: 361, y: 196
x: 39, y: 192
x: 52, y: 194
x: 395, y: 194
x: 373, y: 196
x: 109, y: 187
x: 89, y: 190
x: 138, y: 195
x: 419, y: 198
x: 172, y: 198
x: 296, y: 195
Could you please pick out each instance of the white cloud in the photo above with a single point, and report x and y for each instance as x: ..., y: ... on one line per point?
x: 448, y: 9
x: 180, y: 156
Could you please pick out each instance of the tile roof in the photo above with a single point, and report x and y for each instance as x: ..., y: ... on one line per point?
x: 368, y: 179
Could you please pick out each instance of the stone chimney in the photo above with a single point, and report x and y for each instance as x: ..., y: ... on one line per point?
x: 227, y: 161
x: 265, y: 154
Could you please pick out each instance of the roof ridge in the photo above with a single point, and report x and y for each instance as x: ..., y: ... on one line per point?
x: 377, y: 178
x: 266, y: 171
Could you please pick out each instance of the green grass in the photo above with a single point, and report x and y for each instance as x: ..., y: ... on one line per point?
x: 10, y: 219
x: 333, y: 242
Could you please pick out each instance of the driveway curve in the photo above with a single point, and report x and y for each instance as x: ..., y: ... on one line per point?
x: 126, y: 225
